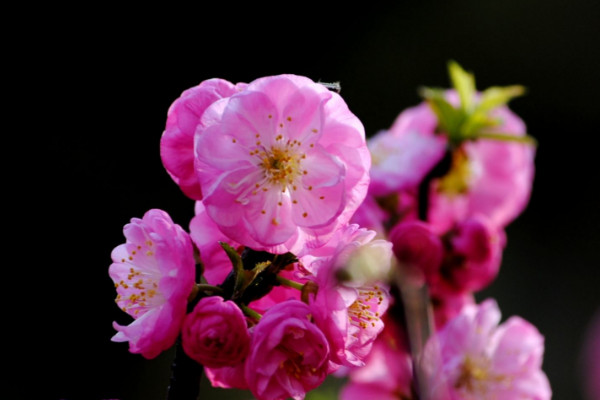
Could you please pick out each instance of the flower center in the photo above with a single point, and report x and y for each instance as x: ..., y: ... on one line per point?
x: 457, y: 181
x: 281, y: 166
x: 139, y: 292
x: 475, y: 376
x: 364, y: 311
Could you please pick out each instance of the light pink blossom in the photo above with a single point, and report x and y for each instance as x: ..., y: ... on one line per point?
x: 404, y: 154
x: 489, y: 177
x: 153, y: 273
x: 349, y: 311
x: 289, y: 354
x: 387, y: 373
x: 215, y: 333
x: 183, y: 119
x: 282, y: 164
x: 473, y: 357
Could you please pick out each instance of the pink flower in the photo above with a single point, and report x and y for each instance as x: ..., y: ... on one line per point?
x: 154, y: 275
x: 215, y: 333
x: 349, y: 312
x: 177, y: 142
x: 405, y: 153
x: 289, y: 354
x: 472, y: 259
x: 206, y: 236
x: 473, y: 357
x: 488, y: 177
x: 282, y: 164
x: 418, y: 250
x: 387, y: 373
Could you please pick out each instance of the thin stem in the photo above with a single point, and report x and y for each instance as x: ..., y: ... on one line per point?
x: 420, y: 325
x: 289, y: 283
x: 250, y: 312
x: 203, y: 287
x: 507, y: 137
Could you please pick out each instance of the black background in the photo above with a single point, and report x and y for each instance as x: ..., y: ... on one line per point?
x: 93, y: 92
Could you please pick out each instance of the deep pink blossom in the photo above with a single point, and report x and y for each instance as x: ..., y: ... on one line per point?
x: 473, y: 357
x: 418, y: 249
x: 282, y: 164
x: 206, y: 236
x: 215, y: 333
x: 472, y: 258
x: 183, y: 120
x: 387, y: 373
x: 289, y: 354
x: 154, y: 275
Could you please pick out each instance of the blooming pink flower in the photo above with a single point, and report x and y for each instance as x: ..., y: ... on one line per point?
x: 473, y: 357
x: 288, y: 355
x: 472, y: 259
x: 215, y: 333
x: 490, y: 177
x: 349, y: 312
x: 154, y: 275
x: 281, y: 164
x: 405, y: 153
x: 177, y: 142
x: 387, y: 373
x: 206, y: 236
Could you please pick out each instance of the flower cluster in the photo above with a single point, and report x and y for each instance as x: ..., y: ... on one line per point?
x: 305, y: 235
x: 447, y: 178
x: 277, y: 168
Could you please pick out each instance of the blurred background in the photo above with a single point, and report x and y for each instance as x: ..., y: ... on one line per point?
x: 102, y: 80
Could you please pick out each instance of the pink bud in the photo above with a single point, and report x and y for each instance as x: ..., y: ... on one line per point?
x: 215, y: 333
x: 417, y: 249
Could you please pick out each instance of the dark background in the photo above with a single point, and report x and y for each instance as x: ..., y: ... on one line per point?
x: 94, y: 95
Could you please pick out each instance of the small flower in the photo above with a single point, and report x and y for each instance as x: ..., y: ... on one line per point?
x: 404, y: 154
x: 487, y: 177
x: 472, y: 258
x: 418, y: 250
x: 289, y: 354
x: 177, y: 141
x: 215, y: 333
x: 349, y: 303
x: 473, y: 357
x: 282, y: 164
x: 153, y: 273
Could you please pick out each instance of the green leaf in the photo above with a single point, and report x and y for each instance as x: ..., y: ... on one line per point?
x: 238, y: 267
x: 449, y: 118
x: 497, y: 96
x: 464, y: 83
